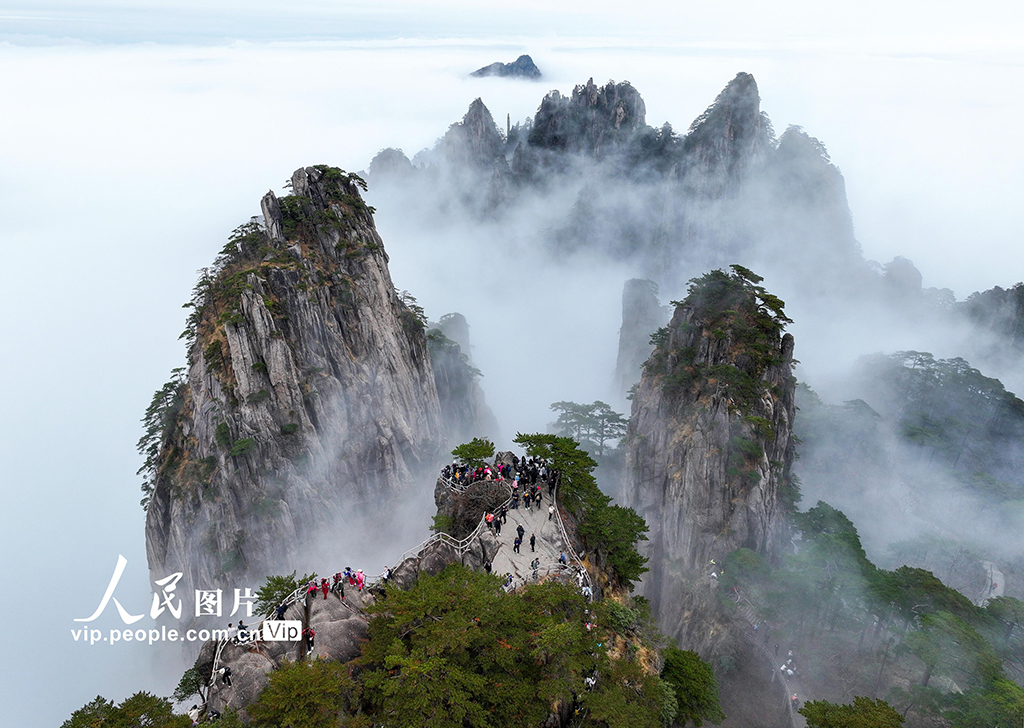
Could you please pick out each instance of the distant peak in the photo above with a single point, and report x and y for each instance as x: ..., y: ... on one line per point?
x: 477, y: 108
x: 738, y: 98
x: 522, y: 67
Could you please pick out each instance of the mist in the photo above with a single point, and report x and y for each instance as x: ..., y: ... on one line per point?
x: 127, y: 163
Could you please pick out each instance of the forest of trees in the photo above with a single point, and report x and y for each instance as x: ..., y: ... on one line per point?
x: 901, y: 635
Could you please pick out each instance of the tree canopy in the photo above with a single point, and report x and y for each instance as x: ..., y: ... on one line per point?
x: 456, y: 650
x: 591, y: 425
x: 141, y: 709
x: 862, y: 713
x: 306, y: 695
x: 475, y: 452
x: 278, y: 588
x: 694, y: 687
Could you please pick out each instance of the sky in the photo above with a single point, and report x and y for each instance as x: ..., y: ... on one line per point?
x: 135, y: 136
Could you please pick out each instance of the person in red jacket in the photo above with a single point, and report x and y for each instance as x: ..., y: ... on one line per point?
x: 324, y: 587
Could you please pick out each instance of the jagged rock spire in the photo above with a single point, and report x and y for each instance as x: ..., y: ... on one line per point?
x: 591, y: 120
x: 475, y: 140
x: 727, y: 140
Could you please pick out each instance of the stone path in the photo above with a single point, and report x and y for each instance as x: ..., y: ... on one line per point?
x: 549, y: 543
x: 790, y: 686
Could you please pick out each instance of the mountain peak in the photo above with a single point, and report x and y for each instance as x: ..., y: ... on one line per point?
x: 474, y: 140
x: 729, y: 136
x: 592, y: 119
x: 522, y: 67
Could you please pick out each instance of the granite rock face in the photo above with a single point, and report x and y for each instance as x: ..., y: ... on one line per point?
x: 671, y: 203
x: 727, y: 141
x: 340, y: 625
x: 474, y: 142
x: 464, y: 408
x: 390, y: 164
x: 309, y: 393
x: 710, y: 444
x: 642, y: 314
x: 593, y: 120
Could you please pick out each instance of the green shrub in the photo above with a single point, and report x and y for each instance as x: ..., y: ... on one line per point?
x: 241, y: 447
x: 443, y: 523
x: 141, y: 709
x: 222, y: 434
x: 474, y: 452
x: 276, y: 589
x: 693, y: 682
x: 257, y: 397
x: 214, y: 355
x: 621, y: 617
x: 306, y: 695
x: 289, y: 429
x: 191, y: 683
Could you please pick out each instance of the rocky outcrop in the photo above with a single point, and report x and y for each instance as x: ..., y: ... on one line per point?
x: 710, y: 444
x: 473, y: 143
x: 455, y: 327
x: 522, y: 67
x: 464, y: 408
x: 459, y: 512
x: 641, y: 316
x: 671, y: 203
x: 309, y: 392
x: 726, y: 141
x: 592, y: 121
x: 390, y: 164
x: 799, y: 199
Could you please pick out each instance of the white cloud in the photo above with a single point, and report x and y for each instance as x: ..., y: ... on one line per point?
x: 124, y: 167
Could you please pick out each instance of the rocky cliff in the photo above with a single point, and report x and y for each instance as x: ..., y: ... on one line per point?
x: 464, y: 409
x: 309, y: 393
x: 671, y: 203
x: 727, y: 142
x: 592, y: 120
x: 474, y: 142
x: 641, y: 316
x: 710, y: 444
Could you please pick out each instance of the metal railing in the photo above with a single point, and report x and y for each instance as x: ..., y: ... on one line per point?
x: 568, y: 547
x: 460, y: 546
x: 739, y: 597
x: 460, y: 485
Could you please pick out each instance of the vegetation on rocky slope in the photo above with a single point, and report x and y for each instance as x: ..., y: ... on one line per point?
x: 734, y: 309
x: 902, y: 634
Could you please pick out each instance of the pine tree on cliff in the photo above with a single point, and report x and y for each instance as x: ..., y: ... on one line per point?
x: 709, y: 446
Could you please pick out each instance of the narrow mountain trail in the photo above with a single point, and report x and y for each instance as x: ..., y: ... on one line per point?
x: 535, y: 521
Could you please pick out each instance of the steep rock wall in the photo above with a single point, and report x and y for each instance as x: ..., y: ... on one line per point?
x: 464, y: 408
x: 309, y: 392
x: 710, y: 445
x: 641, y: 315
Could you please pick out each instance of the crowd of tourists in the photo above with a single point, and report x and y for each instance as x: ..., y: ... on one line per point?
x: 532, y: 483
x: 523, y: 471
